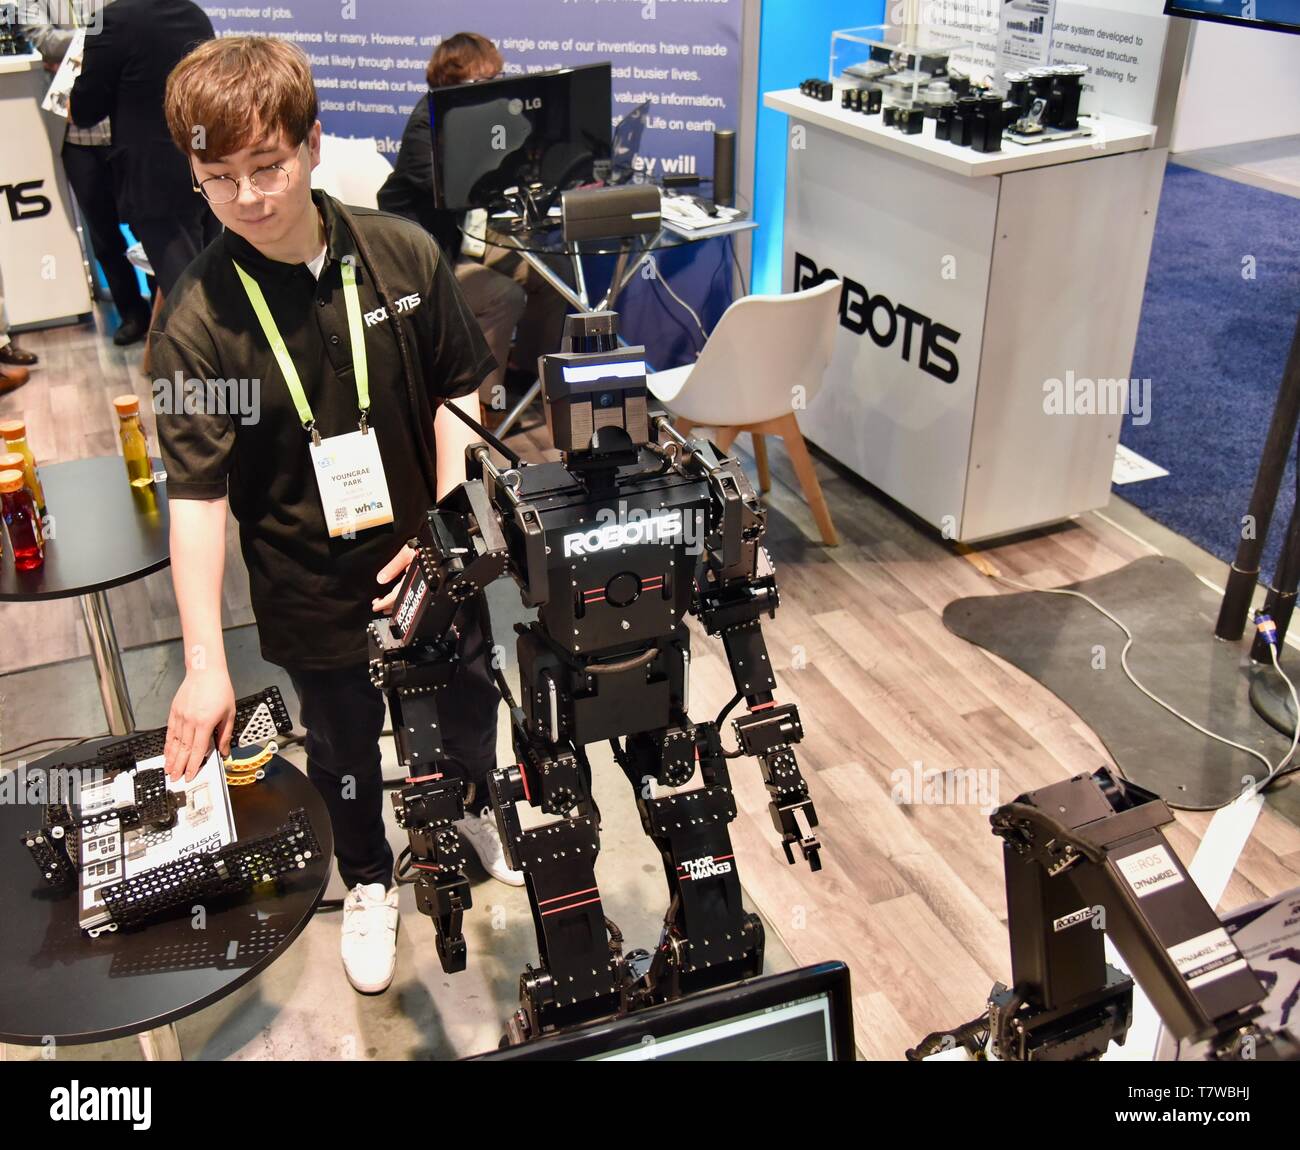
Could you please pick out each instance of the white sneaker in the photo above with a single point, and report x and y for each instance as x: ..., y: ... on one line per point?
x: 370, y: 936
x: 480, y: 832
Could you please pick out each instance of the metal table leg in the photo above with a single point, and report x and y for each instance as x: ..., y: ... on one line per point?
x: 161, y: 1045
x: 107, y: 657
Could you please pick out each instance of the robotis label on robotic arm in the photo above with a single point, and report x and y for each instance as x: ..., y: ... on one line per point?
x: 1148, y: 871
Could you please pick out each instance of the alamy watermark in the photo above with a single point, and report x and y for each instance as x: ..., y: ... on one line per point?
x: 84, y: 14
x: 22, y: 785
x: 237, y: 398
x: 962, y: 787
x: 1079, y: 395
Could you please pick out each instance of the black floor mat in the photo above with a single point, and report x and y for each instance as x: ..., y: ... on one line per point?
x: 1074, y: 651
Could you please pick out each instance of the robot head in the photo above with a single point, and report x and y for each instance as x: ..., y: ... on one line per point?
x: 595, y: 391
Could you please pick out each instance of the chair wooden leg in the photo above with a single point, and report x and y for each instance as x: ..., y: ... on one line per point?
x: 725, y: 438
x: 760, y: 458
x: 684, y: 427
x: 812, y: 489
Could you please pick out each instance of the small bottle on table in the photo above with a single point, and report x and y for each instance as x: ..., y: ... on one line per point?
x: 22, y: 521
x: 14, y: 432
x: 135, y: 444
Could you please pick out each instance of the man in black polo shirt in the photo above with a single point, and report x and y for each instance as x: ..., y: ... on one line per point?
x: 295, y: 313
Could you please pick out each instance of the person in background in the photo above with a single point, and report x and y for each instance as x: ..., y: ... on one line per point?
x: 505, y: 294
x: 123, y: 77
x: 85, y: 160
x: 14, y: 361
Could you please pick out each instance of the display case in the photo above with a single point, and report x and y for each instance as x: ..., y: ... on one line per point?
x: 909, y: 64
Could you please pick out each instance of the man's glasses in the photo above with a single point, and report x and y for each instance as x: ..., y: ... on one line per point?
x: 269, y: 181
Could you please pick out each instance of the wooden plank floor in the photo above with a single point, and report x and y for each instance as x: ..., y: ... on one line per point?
x: 911, y: 894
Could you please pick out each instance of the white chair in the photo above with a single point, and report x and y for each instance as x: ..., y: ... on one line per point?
x: 351, y: 169
x: 765, y: 351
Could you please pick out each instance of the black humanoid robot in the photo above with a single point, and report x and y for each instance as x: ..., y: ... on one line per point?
x: 613, y: 545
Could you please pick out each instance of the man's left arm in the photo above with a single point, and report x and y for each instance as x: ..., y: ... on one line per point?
x: 453, y: 436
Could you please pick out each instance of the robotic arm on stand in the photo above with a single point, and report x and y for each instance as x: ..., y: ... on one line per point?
x: 1084, y: 858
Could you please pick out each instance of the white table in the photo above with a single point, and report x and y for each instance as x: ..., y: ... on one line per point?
x: 978, y: 280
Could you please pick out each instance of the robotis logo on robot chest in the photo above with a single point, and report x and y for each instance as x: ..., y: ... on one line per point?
x: 665, y: 527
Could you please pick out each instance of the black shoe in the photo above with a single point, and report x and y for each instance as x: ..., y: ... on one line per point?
x: 132, y: 330
x: 11, y: 355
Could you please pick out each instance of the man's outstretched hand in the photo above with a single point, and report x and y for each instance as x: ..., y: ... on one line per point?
x: 395, y: 568
x: 204, y: 706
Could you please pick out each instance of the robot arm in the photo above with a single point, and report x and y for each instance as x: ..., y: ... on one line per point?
x: 1087, y: 856
x: 413, y: 656
x: 735, y: 589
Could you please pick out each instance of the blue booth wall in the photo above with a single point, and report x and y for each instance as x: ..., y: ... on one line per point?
x: 368, y: 60
x: 794, y: 44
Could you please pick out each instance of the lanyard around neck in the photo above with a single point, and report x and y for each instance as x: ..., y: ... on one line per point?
x: 356, y: 337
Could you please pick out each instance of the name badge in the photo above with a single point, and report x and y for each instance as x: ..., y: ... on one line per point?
x: 353, y: 488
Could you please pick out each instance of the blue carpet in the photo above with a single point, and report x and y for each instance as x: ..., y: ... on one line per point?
x: 1213, y: 343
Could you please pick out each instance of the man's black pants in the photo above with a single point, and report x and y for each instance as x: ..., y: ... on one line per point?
x: 343, y: 714
x: 172, y: 242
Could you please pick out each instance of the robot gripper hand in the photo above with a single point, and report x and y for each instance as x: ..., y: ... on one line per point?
x: 769, y: 733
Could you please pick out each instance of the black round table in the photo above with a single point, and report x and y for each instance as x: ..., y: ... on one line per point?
x: 60, y: 984
x: 103, y: 534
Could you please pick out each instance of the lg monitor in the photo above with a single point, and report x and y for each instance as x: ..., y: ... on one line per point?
x: 548, y: 128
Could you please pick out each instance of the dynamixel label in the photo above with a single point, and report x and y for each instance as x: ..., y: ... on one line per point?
x: 410, y: 605
x: 1206, y: 957
x: 706, y: 866
x: 664, y: 527
x: 1149, y: 871
x: 1083, y: 914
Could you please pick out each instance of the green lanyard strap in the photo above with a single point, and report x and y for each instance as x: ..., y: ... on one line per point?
x: 356, y: 336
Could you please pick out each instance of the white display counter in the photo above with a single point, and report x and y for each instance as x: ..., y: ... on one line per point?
x: 45, y: 278
x: 991, y: 315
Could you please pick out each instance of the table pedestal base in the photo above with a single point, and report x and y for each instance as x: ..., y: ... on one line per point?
x: 107, y: 657
x: 161, y: 1045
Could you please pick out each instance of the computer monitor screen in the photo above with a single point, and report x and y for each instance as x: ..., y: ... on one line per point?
x: 800, y: 1015
x: 626, y: 143
x: 550, y: 128
x: 1279, y: 15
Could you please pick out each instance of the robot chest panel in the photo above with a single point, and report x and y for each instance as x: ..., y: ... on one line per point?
x: 621, y: 575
